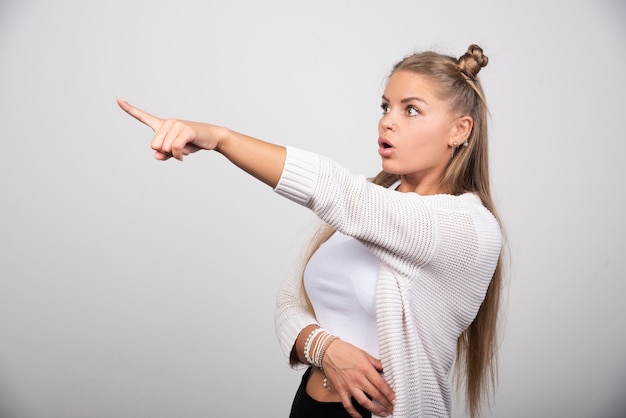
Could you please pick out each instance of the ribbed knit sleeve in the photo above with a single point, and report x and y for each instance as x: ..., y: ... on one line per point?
x: 438, y: 255
x: 299, y: 176
x: 395, y: 226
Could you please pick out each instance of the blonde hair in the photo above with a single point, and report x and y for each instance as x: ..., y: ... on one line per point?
x: 467, y: 172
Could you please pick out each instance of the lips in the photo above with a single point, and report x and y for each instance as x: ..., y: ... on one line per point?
x: 385, y: 148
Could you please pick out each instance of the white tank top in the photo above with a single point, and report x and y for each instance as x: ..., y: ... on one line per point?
x: 340, y: 280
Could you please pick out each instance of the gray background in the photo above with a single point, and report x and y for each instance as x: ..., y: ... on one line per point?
x: 135, y: 288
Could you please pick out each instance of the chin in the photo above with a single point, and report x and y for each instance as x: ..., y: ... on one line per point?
x: 389, y: 168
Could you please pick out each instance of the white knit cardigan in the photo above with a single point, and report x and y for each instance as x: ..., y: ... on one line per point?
x: 438, y: 255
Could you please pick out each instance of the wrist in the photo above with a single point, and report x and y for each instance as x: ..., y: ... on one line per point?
x: 325, y: 348
x: 224, y: 137
x: 315, y: 346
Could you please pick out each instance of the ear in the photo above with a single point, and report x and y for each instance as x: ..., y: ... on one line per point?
x: 461, y: 131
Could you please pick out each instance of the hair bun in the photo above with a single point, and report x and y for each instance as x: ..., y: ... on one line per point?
x: 472, y: 61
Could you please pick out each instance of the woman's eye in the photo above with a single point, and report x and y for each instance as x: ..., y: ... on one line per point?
x: 411, y: 111
x: 385, y: 107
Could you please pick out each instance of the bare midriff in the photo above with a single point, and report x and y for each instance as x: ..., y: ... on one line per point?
x: 316, y: 390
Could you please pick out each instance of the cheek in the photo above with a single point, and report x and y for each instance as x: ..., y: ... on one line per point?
x: 428, y: 144
x: 434, y: 136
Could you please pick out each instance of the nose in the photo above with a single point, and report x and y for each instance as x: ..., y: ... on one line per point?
x: 386, y: 122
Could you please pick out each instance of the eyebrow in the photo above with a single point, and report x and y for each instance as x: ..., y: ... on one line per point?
x: 406, y: 100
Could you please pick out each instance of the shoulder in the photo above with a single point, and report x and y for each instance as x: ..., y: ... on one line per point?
x: 465, y: 215
x: 468, y: 203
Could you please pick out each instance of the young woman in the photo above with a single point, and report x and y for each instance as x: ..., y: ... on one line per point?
x: 404, y: 275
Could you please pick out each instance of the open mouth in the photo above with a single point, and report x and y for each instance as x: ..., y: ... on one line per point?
x: 383, y: 143
x: 384, y: 148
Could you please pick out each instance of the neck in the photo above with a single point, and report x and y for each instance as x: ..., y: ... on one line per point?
x: 423, y: 186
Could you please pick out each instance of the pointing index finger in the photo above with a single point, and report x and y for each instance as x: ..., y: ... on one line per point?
x: 142, y: 116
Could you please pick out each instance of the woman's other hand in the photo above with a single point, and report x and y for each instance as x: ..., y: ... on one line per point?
x: 354, y: 373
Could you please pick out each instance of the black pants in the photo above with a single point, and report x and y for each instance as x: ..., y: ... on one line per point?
x: 306, y: 407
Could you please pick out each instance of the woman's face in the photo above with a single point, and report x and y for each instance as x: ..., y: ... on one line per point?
x: 417, y: 132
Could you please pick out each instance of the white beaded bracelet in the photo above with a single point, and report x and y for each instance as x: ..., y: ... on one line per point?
x: 307, y: 345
